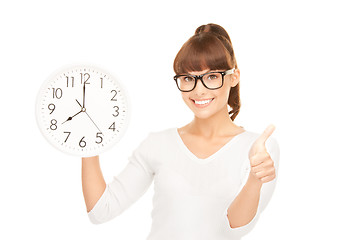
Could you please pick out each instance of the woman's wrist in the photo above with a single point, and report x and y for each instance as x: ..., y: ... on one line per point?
x: 254, y: 182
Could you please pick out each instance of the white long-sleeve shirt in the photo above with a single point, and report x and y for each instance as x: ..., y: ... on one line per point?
x: 191, y: 195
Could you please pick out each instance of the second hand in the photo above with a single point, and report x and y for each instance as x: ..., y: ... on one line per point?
x: 84, y: 110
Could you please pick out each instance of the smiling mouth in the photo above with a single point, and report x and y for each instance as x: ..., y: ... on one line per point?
x: 202, y: 103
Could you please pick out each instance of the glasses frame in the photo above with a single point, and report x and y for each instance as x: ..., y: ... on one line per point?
x: 200, y: 77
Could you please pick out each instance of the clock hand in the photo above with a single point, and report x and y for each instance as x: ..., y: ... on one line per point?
x: 89, y: 116
x: 69, y: 118
x: 94, y: 123
x: 78, y: 103
x: 84, y: 92
x: 83, y: 106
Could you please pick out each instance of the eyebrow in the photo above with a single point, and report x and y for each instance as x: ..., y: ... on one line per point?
x: 204, y: 73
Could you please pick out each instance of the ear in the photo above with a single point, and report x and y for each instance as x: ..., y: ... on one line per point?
x: 235, y: 77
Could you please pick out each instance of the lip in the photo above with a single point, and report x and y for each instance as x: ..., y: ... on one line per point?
x: 202, y: 105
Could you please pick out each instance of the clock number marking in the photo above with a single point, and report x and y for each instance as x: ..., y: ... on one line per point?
x: 117, y: 108
x: 82, y: 143
x: 67, y: 81
x: 112, y: 126
x: 113, y: 98
x: 67, y: 136
x: 84, y: 78
x: 51, y: 107
x: 101, y: 139
x: 101, y: 82
x: 57, y: 93
x: 53, y: 124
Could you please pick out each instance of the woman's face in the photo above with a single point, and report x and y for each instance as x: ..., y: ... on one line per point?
x: 204, y: 102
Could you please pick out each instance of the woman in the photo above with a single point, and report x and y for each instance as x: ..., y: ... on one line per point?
x: 212, y: 178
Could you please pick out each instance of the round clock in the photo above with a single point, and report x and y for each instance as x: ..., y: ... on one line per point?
x: 82, y: 110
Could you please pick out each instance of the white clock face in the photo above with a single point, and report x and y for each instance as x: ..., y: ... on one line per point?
x: 82, y: 110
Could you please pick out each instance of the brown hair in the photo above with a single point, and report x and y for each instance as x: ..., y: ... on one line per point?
x: 209, y: 48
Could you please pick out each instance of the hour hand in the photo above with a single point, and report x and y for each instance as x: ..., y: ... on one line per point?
x: 69, y: 118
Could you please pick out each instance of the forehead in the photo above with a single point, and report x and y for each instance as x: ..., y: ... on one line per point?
x: 199, y: 72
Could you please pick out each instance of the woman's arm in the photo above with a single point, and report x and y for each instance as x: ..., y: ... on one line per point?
x: 244, y: 207
x: 106, y: 201
x: 93, y: 183
x: 262, y: 169
x: 258, y: 181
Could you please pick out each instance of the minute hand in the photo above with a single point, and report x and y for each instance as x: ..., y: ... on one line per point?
x: 84, y: 93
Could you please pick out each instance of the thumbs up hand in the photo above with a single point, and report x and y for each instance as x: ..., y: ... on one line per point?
x: 261, y: 163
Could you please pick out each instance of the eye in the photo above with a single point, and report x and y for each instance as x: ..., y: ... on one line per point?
x: 187, y: 79
x: 212, y: 76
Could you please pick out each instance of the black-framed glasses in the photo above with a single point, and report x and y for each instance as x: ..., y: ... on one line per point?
x: 210, y: 80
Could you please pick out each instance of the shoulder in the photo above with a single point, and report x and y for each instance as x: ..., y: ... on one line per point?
x: 165, y: 131
x: 154, y: 145
x: 162, y: 134
x: 159, y: 137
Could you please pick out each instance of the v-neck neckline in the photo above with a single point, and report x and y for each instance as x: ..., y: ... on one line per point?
x: 212, y: 156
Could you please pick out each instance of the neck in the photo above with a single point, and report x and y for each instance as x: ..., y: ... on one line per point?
x: 220, y: 124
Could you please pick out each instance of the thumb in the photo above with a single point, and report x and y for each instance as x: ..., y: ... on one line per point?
x: 260, y: 143
x: 266, y: 134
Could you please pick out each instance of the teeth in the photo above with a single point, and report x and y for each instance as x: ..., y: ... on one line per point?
x: 203, y: 102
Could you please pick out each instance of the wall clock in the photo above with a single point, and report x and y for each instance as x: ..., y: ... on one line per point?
x: 82, y: 110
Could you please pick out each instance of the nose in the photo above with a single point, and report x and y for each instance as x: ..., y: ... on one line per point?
x: 200, y: 89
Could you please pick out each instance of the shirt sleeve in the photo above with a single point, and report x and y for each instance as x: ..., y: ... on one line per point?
x: 266, y: 193
x: 126, y: 188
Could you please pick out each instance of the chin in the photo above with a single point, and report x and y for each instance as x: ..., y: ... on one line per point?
x: 203, y: 114
x: 207, y: 113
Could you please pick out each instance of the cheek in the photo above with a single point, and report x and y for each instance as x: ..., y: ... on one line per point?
x: 185, y: 97
x: 224, y: 94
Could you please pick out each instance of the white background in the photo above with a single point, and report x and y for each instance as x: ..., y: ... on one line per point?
x: 293, y: 61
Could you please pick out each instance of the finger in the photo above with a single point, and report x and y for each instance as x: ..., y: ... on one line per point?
x: 268, y: 178
x: 265, y: 173
x: 267, y: 164
x: 259, y: 158
x: 256, y: 161
x: 266, y: 134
